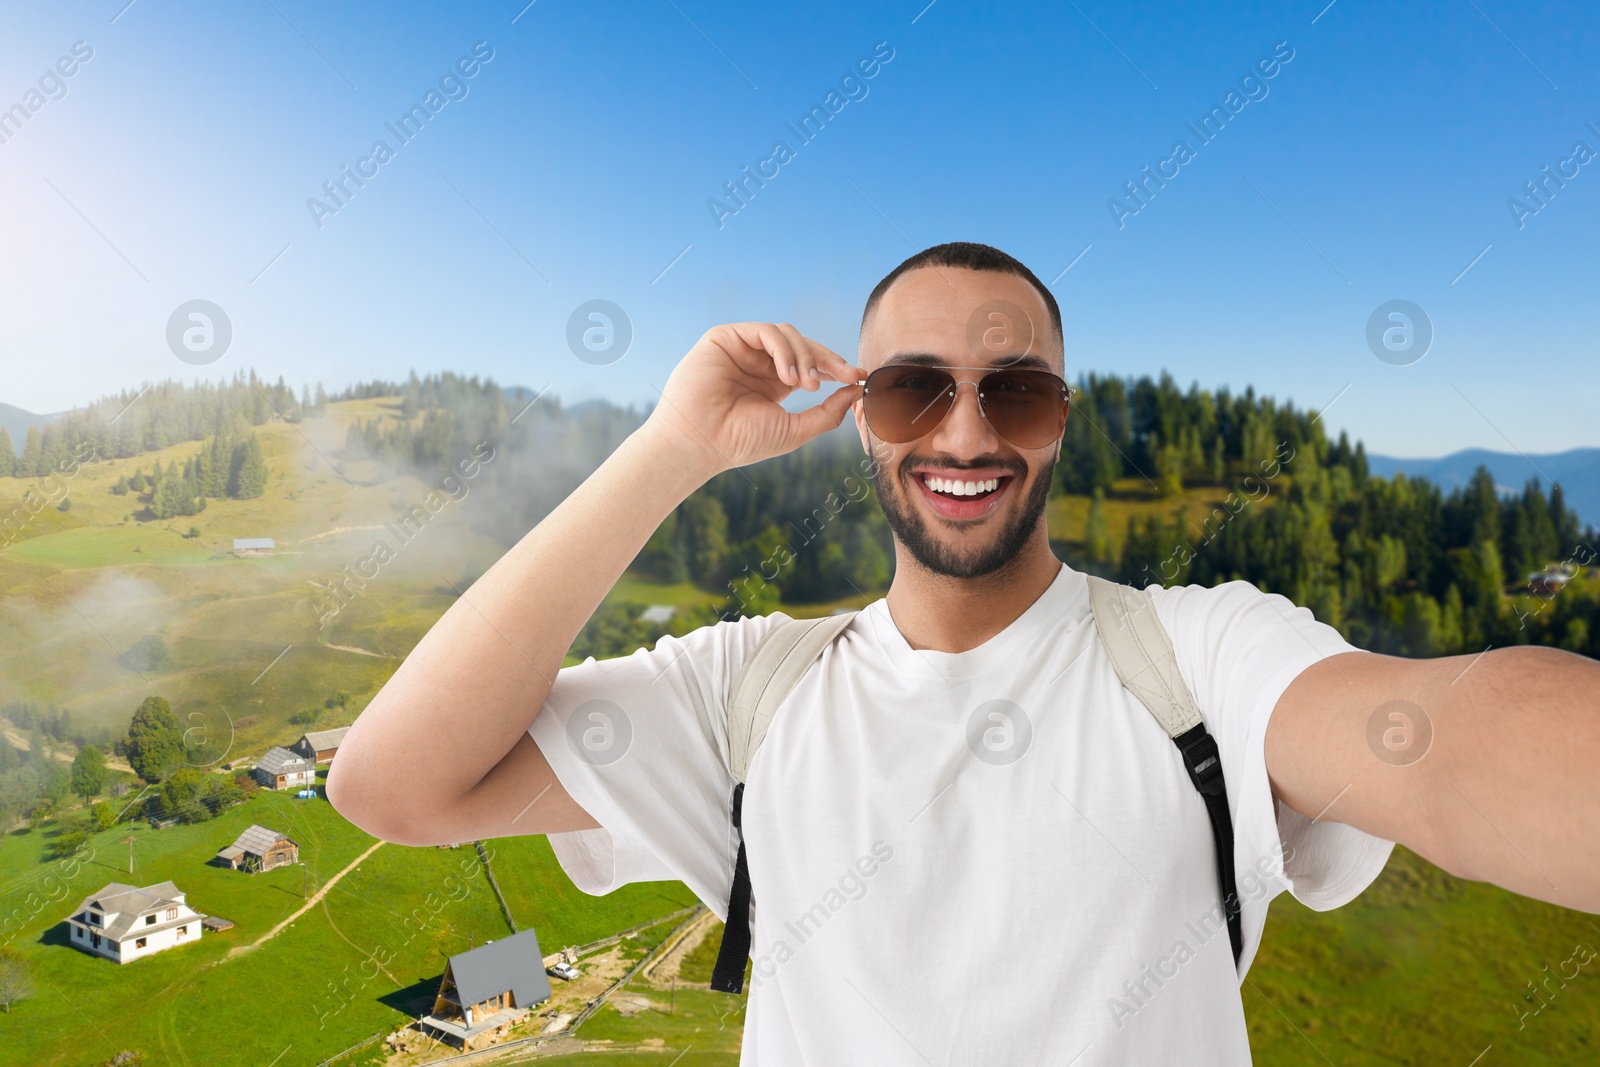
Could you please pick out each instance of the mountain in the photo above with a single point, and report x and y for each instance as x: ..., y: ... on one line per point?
x: 1576, y: 471
x: 16, y: 421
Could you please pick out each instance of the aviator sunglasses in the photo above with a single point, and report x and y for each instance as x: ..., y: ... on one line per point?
x: 1026, y: 407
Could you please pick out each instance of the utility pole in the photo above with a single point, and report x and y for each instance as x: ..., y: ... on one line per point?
x: 129, y: 843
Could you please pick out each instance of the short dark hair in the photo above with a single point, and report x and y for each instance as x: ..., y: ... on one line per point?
x: 968, y: 255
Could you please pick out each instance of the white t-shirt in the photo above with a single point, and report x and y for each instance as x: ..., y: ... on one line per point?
x: 987, y: 856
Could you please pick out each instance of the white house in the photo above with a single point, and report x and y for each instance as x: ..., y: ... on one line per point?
x: 124, y: 922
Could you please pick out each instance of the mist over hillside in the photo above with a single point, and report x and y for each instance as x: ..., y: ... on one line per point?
x: 16, y: 422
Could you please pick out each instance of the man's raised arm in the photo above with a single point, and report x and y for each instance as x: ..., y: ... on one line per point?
x: 1487, y: 765
x: 466, y: 695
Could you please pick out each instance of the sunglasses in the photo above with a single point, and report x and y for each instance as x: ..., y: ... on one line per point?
x: 1028, y: 408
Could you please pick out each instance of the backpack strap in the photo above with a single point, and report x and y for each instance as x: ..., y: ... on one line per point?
x: 1142, y: 655
x: 766, y: 679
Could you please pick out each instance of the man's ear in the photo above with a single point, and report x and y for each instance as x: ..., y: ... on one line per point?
x: 861, y: 425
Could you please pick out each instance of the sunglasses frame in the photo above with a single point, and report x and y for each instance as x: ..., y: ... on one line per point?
x: 1067, y: 393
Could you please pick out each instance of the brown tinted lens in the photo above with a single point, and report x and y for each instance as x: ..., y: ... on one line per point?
x: 1024, y: 406
x: 904, y: 403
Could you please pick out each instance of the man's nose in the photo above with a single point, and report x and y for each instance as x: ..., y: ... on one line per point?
x: 964, y: 431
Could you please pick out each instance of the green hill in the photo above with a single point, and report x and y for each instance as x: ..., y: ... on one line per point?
x: 1421, y: 969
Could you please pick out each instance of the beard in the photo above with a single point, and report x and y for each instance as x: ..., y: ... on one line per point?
x: 909, y: 529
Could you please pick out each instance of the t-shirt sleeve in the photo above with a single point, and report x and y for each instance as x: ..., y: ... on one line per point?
x: 641, y: 743
x: 1238, y: 649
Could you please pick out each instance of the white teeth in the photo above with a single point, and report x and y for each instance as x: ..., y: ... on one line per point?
x: 959, y: 488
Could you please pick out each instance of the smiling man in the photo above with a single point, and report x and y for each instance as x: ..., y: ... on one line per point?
x: 964, y: 837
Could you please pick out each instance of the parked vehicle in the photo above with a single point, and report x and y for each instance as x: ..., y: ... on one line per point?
x: 564, y: 971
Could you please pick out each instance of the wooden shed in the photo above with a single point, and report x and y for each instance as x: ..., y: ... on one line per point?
x: 259, y: 849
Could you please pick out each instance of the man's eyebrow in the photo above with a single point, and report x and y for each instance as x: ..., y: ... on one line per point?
x: 928, y: 359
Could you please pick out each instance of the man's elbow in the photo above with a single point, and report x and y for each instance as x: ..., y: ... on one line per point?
x: 372, y: 807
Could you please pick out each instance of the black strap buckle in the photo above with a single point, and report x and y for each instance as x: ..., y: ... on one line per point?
x: 1201, y: 760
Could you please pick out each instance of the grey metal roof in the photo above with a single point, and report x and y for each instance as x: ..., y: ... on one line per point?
x: 231, y: 853
x: 512, y: 963
x: 258, y: 839
x: 280, y: 760
x: 240, y: 543
x: 321, y: 739
x: 129, y: 902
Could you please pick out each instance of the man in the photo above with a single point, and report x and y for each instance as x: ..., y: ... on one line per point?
x: 966, y: 840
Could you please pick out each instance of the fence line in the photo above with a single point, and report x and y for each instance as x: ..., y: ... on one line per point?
x: 353, y: 1048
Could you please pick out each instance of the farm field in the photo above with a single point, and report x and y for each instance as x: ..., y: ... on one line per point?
x: 314, y: 989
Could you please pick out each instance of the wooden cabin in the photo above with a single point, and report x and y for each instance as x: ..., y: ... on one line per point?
x: 487, y: 989
x: 319, y: 746
x: 283, y: 769
x: 259, y: 849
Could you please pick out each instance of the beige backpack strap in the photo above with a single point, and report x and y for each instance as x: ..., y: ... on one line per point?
x: 1141, y: 652
x: 768, y: 676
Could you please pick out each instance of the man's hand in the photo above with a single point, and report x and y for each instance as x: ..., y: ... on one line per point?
x: 721, y: 407
x: 475, y: 681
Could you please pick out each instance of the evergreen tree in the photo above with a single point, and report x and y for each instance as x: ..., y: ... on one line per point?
x: 8, y: 454
x: 54, y: 454
x: 248, y: 478
x: 1169, y: 470
x: 704, y: 528
x: 89, y: 772
x: 209, y: 469
x: 164, y: 497
x: 662, y: 556
x: 31, y: 465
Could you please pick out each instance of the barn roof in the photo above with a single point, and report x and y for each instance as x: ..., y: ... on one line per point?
x: 280, y: 760
x: 321, y: 739
x: 512, y: 963
x: 258, y: 839
x: 241, y: 543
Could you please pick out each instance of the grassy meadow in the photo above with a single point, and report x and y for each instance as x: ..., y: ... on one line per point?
x: 1422, y: 969
x: 317, y: 985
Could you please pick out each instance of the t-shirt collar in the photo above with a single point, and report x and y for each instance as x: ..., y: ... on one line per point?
x: 1065, y: 599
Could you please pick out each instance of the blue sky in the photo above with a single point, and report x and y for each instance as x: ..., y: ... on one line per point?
x: 578, y: 165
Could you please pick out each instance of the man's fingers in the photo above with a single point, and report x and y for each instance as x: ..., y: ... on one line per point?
x: 804, y: 363
x: 826, y: 415
x: 768, y: 346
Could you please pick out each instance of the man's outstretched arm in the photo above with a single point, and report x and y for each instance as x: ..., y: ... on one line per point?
x: 1488, y: 765
x: 466, y: 695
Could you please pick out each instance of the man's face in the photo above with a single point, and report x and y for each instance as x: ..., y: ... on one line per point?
x: 941, y: 312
